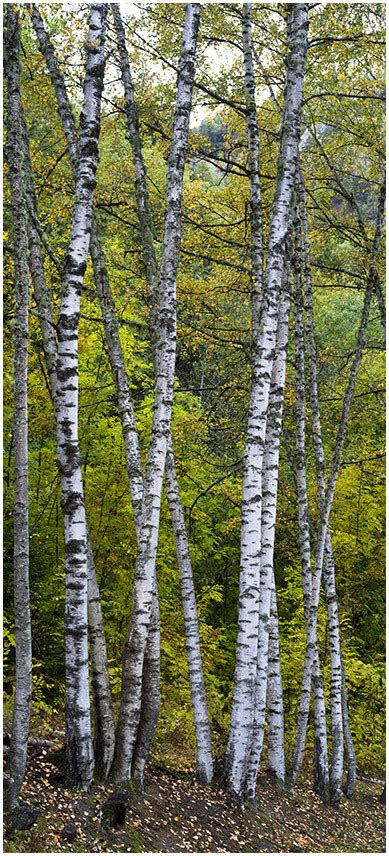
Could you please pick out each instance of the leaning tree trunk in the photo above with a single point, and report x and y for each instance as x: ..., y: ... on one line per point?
x: 17, y: 757
x: 325, y: 514
x: 204, y: 768
x: 373, y: 273
x: 314, y: 676
x: 151, y: 673
x: 150, y: 700
x: 340, y: 719
x: 104, y: 723
x: 135, y: 647
x: 78, y: 738
x: 204, y: 763
x: 329, y: 566
x: 240, y: 739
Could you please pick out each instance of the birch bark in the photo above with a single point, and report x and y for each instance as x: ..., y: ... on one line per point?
x: 204, y: 769
x: 327, y: 505
x: 275, y: 704
x: 78, y: 740
x: 339, y: 713
x: 256, y: 219
x: 240, y: 739
x: 351, y: 757
x: 151, y: 673
x: 17, y: 758
x: 321, y: 751
x: 150, y: 700
x: 104, y: 734
x: 202, y: 729
x: 134, y: 653
x: 268, y: 524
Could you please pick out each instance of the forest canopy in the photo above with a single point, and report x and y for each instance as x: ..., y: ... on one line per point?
x: 194, y: 381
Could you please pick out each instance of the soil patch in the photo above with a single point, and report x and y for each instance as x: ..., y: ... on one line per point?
x: 177, y: 815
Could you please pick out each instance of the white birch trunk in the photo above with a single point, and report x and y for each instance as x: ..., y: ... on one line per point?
x: 238, y: 749
x: 201, y: 721
x: 321, y: 749
x: 64, y: 108
x: 78, y: 738
x: 150, y: 696
x: 339, y: 713
x: 336, y: 772
x: 268, y: 524
x: 141, y: 191
x: 321, y: 539
x: 351, y: 757
x: 134, y: 653
x: 104, y: 734
x: 17, y: 758
x: 204, y: 769
x: 240, y: 739
x: 329, y: 567
x: 104, y: 724
x: 256, y: 219
x: 150, y: 692
x: 275, y: 703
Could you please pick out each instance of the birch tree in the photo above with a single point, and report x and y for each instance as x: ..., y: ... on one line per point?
x: 150, y: 696
x: 314, y: 676
x: 339, y: 713
x: 268, y: 524
x: 240, y: 739
x: 104, y: 735
x: 329, y: 568
x: 275, y: 701
x: 150, y: 692
x: 134, y: 652
x: 201, y: 721
x: 17, y: 758
x: 78, y: 739
x: 329, y: 495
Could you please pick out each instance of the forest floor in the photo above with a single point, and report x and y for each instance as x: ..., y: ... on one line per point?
x: 177, y: 815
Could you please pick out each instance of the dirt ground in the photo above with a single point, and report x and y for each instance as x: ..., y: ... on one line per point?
x: 177, y: 815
